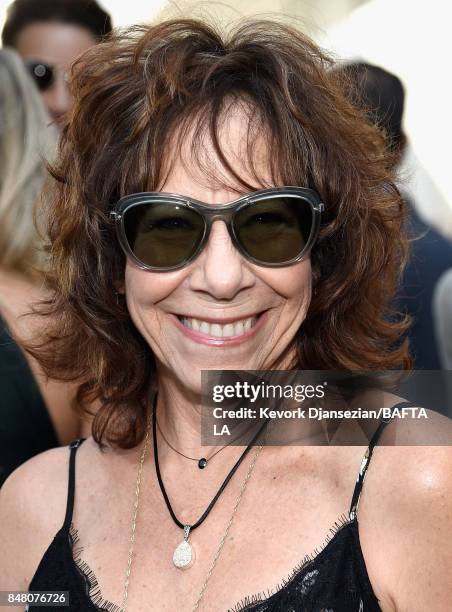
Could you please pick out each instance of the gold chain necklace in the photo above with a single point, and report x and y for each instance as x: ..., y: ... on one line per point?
x: 134, y: 524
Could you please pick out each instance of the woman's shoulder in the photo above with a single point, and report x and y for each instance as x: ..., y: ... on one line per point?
x: 35, y: 494
x: 413, y: 455
x: 44, y: 478
x: 411, y: 465
x: 38, y: 480
x: 32, y: 508
x: 405, y: 518
x: 410, y: 475
x: 33, y: 504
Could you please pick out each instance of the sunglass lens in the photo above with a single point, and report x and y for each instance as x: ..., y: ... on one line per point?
x: 163, y: 234
x: 42, y: 74
x: 274, y: 230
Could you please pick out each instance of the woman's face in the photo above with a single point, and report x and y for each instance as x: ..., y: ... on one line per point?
x: 188, y: 316
x: 58, y: 45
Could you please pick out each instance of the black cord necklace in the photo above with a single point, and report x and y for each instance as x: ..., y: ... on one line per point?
x: 183, y: 554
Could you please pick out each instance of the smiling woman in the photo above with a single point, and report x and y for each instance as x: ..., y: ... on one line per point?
x: 219, y: 205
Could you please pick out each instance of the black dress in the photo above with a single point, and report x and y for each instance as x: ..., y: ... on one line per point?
x: 25, y: 425
x: 333, y: 579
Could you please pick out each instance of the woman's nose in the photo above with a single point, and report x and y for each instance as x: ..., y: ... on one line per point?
x: 220, y: 269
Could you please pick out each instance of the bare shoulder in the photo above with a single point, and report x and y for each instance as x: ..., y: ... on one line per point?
x: 416, y: 448
x: 405, y: 518
x: 412, y: 463
x: 410, y: 476
x: 32, y: 510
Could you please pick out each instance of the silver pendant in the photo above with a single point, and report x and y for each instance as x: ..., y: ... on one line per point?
x: 184, y: 554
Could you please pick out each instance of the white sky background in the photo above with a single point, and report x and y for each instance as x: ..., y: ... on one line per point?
x: 129, y: 12
x: 412, y: 39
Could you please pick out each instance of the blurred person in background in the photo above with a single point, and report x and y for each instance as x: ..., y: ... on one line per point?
x: 442, y: 305
x: 381, y: 94
x: 34, y: 413
x: 50, y: 35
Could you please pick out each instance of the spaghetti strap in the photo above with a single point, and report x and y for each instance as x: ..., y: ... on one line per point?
x: 73, y: 446
x: 368, y: 455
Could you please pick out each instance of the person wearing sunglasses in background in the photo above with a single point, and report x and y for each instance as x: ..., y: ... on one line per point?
x: 220, y: 205
x: 50, y: 35
x: 35, y: 413
x: 382, y: 97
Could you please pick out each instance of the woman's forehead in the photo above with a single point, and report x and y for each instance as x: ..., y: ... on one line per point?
x: 194, y: 165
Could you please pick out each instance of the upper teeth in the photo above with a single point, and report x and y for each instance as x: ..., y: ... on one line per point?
x: 221, y: 331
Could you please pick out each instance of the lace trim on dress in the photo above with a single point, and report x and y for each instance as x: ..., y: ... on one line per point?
x: 93, y: 591
x: 308, y: 559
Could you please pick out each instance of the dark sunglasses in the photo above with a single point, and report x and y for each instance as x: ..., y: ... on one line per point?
x: 43, y: 74
x: 272, y: 227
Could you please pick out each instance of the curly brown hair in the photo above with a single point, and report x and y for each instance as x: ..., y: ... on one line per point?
x: 132, y: 93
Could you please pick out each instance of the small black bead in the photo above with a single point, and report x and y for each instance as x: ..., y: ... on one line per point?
x: 202, y: 463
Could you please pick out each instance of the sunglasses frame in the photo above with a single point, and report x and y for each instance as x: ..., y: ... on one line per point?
x: 211, y: 213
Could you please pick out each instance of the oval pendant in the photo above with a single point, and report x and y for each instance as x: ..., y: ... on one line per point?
x: 202, y: 463
x: 184, y: 555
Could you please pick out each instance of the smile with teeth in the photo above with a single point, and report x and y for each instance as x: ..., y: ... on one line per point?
x: 237, y: 328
